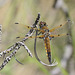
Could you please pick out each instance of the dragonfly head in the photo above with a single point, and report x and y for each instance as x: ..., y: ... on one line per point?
x: 42, y: 24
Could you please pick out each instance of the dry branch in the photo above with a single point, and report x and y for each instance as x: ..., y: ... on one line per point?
x: 17, y: 45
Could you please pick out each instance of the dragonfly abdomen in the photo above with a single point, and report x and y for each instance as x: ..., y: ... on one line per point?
x: 47, y: 48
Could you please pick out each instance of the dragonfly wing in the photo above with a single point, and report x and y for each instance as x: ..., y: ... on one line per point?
x: 66, y: 23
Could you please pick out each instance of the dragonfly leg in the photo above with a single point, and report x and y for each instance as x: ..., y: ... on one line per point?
x: 18, y: 60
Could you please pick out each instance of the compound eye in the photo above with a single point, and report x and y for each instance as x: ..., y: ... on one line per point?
x: 44, y: 23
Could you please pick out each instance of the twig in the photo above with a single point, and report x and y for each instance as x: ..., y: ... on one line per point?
x: 17, y: 45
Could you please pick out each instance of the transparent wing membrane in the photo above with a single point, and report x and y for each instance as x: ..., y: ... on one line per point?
x: 61, y: 29
x: 58, y: 26
x: 59, y: 35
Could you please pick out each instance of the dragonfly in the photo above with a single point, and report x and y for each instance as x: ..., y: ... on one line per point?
x: 43, y: 32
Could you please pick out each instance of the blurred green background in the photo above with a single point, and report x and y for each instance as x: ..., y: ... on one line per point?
x: 25, y: 12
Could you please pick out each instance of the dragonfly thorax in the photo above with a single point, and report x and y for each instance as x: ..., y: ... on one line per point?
x: 46, y: 34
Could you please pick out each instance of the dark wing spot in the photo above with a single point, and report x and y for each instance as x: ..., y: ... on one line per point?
x: 16, y: 23
x: 67, y: 34
x: 30, y: 36
x: 17, y: 37
x: 58, y: 35
x: 28, y: 26
x: 61, y: 25
x: 52, y: 36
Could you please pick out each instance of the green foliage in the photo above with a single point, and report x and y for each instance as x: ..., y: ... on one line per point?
x: 25, y: 12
